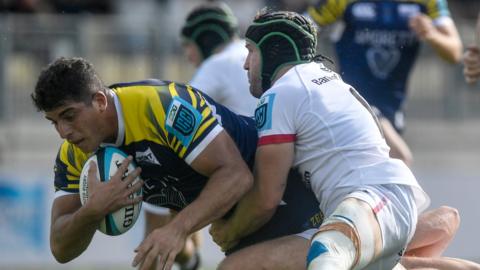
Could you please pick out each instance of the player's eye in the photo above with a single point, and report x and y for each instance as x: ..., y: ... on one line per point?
x: 69, y: 117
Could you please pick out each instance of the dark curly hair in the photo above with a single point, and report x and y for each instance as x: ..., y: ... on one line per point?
x: 65, y: 80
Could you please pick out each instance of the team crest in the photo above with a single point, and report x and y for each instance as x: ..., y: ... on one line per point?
x: 182, y: 120
x: 263, y: 113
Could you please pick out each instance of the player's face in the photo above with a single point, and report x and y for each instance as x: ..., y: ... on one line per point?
x: 192, y: 53
x: 79, y: 124
x: 252, y: 65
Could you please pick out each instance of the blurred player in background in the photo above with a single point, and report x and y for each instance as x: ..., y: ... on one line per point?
x: 471, y: 58
x: 377, y: 49
x: 211, y: 44
x: 378, y: 45
x: 192, y: 154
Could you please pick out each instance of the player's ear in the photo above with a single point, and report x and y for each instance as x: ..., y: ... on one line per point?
x: 99, y: 101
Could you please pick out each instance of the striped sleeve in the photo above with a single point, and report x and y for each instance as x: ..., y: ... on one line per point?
x: 190, y: 122
x: 68, y: 166
x: 326, y: 12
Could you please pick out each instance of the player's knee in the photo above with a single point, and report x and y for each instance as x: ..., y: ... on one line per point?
x: 451, y: 220
x: 348, y: 238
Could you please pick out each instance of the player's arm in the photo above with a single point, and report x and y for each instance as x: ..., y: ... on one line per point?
x: 443, y: 38
x: 73, y: 225
x: 272, y: 164
x: 229, y: 179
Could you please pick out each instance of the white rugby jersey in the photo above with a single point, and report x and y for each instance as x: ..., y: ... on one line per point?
x: 222, y: 77
x: 337, y: 140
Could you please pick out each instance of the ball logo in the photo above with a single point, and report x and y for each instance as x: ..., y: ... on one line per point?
x: 108, y: 160
x: 129, y: 212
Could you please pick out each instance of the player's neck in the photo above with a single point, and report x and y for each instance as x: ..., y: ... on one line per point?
x: 281, y: 72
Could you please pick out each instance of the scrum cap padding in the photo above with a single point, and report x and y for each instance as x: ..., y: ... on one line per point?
x: 209, y: 27
x: 282, y: 41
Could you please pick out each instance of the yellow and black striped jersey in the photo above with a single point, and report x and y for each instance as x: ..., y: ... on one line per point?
x: 164, y: 126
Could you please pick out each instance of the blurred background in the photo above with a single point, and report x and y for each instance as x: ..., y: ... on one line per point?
x: 133, y: 40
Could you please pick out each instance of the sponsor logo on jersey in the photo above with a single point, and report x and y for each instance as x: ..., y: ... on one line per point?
x: 182, y: 120
x: 263, y: 113
x: 146, y: 156
x: 325, y: 79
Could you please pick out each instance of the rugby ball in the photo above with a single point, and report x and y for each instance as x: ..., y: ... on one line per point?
x: 108, y: 159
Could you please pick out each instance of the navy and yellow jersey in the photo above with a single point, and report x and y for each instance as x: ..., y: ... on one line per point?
x: 377, y: 49
x: 164, y: 126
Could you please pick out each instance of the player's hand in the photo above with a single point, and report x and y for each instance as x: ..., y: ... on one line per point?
x: 107, y: 197
x: 161, y: 246
x: 471, y: 62
x: 222, y: 236
x: 423, y: 26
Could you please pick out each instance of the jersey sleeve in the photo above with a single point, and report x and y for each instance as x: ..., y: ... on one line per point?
x: 67, y: 169
x: 275, y: 118
x: 325, y: 12
x: 207, y: 80
x: 437, y: 9
x: 190, y: 122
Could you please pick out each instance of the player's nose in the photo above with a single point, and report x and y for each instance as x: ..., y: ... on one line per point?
x: 64, y: 130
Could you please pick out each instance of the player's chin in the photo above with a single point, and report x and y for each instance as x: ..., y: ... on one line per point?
x: 87, y: 147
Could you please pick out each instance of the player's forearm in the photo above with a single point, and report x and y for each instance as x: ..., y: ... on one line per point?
x: 251, y: 214
x: 223, y: 190
x: 71, y: 234
x: 448, y: 46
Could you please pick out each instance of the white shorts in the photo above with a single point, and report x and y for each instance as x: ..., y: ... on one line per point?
x: 396, y: 212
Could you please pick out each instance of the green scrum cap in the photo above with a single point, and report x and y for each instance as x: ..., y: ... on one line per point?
x: 283, y: 38
x: 209, y: 26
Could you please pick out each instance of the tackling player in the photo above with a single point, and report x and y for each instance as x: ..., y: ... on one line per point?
x: 309, y: 119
